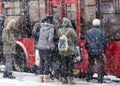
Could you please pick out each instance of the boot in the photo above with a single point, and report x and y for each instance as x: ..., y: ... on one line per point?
x: 100, y: 81
x: 41, y: 78
x: 47, y: 78
x: 64, y: 80
x: 60, y: 79
x: 11, y: 76
x: 5, y: 74
x: 100, y: 78
x: 88, y: 78
x: 70, y: 80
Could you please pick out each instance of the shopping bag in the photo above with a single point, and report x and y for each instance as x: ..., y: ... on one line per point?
x: 37, y: 58
x: 78, y: 55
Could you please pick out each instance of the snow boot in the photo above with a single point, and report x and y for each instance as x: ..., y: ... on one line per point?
x: 5, y: 74
x: 70, y: 80
x: 34, y: 68
x: 88, y: 78
x: 41, y: 78
x: 64, y: 80
x: 47, y: 78
x: 100, y: 81
x: 11, y: 76
x: 100, y: 78
x: 60, y: 79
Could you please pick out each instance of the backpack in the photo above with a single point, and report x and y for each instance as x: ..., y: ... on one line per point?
x: 63, y: 42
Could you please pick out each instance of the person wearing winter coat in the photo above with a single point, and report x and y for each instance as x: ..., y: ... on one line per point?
x: 68, y: 56
x: 1, y: 43
x: 9, y: 46
x: 95, y: 43
x: 46, y: 46
x: 35, y: 34
x: 55, y: 58
x: 2, y: 19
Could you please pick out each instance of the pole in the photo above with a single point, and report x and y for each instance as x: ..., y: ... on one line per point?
x: 63, y: 13
x: 39, y: 8
x: 98, y: 9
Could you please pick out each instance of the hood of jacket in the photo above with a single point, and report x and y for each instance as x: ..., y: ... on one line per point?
x: 66, y: 23
x: 47, y: 25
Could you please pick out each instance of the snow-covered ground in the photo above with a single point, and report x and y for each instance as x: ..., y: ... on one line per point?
x: 29, y: 79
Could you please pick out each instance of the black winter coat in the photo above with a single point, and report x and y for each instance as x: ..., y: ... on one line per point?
x: 95, y: 40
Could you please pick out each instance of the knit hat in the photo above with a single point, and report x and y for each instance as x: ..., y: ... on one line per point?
x: 96, y: 22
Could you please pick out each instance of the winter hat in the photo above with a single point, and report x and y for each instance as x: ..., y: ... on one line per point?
x: 96, y: 22
x: 49, y: 19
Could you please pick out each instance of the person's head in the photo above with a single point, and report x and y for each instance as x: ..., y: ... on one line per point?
x: 48, y: 19
x: 96, y: 22
x: 66, y: 22
x: 43, y: 20
x: 3, y: 5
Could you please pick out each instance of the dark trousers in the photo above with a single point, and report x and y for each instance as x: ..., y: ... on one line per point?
x: 45, y: 61
x: 55, y: 64
x: 1, y: 53
x: 9, y: 59
x: 67, y: 66
x: 100, y: 66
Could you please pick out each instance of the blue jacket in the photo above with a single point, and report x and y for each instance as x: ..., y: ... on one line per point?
x: 95, y: 40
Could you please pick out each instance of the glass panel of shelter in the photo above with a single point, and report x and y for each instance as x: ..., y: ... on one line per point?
x: 71, y: 12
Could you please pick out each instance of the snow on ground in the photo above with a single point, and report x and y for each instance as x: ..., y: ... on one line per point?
x: 29, y: 79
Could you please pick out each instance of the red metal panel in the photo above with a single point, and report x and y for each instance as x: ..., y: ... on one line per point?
x: 113, y: 58
x: 61, y: 11
x: 47, y: 6
x: 78, y: 19
x: 0, y: 6
x: 28, y: 44
x: 55, y: 1
x: 65, y: 9
x: 70, y: 1
x: 84, y: 64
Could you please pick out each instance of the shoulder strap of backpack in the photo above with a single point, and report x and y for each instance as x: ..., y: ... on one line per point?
x: 67, y: 31
x: 61, y: 32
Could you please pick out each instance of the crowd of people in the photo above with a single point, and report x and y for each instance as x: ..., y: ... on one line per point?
x: 56, y: 43
x: 47, y: 44
x: 48, y: 35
